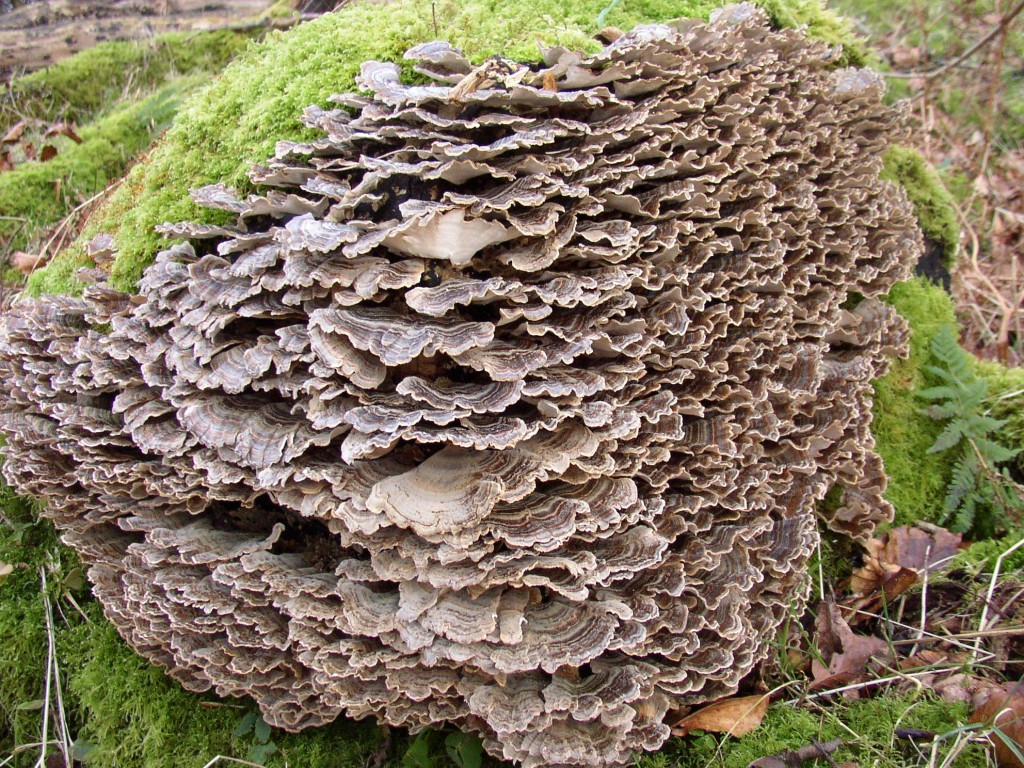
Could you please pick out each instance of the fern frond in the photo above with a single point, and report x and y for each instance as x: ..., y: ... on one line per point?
x: 962, y: 483
x: 964, y: 519
x: 993, y: 452
x: 938, y: 393
x: 949, y: 437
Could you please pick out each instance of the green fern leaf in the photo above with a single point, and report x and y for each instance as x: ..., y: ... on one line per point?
x: 993, y: 452
x: 963, y: 481
x: 938, y: 393
x: 965, y: 515
x: 948, y: 438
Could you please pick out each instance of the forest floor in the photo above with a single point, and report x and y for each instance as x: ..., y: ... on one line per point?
x: 912, y: 651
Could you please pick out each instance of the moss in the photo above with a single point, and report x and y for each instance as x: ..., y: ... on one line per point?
x: 260, y: 96
x: 1006, y: 401
x: 933, y: 204
x: 786, y: 728
x: 903, y: 433
x: 28, y: 546
x: 135, y: 715
x: 82, y: 86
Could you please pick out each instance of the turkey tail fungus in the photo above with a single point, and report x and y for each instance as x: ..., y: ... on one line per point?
x: 508, y: 403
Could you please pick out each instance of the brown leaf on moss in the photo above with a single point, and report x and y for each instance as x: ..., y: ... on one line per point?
x: 26, y: 263
x: 794, y: 758
x: 47, y: 153
x: 63, y: 129
x: 14, y: 133
x: 844, y: 654
x: 895, y: 562
x: 736, y: 716
x: 1003, y: 712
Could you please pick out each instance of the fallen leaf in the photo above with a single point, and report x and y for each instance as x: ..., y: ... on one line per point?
x: 794, y: 758
x: 1003, y: 712
x: 47, y: 153
x: 26, y: 263
x: 29, y: 149
x: 5, y: 161
x: 13, y: 135
x: 893, y: 564
x: 6, y: 569
x: 844, y: 654
x: 609, y: 35
x: 736, y: 716
x: 905, y: 57
x: 63, y: 129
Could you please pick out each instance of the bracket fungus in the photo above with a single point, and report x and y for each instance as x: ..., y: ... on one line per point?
x: 508, y: 403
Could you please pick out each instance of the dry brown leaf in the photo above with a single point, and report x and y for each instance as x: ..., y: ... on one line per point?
x: 609, y: 34
x: 894, y: 563
x: 29, y: 149
x: 844, y: 654
x: 5, y: 161
x: 793, y: 758
x: 63, y: 129
x: 736, y: 716
x: 26, y: 263
x: 1004, y: 713
x: 13, y: 135
x: 47, y: 153
x: 905, y: 57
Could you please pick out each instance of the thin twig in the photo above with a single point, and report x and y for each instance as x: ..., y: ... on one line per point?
x: 991, y: 592
x: 41, y: 762
x: 235, y: 760
x: 988, y: 38
x: 870, y: 683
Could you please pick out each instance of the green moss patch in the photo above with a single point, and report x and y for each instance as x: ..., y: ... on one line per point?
x: 260, y: 96
x: 917, y: 479
x: 933, y: 204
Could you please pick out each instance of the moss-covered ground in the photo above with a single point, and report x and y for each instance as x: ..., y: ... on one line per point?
x: 126, y: 712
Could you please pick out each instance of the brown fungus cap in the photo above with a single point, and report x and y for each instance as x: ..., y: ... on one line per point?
x: 508, y: 404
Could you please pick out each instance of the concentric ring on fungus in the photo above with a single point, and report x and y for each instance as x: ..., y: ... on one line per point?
x: 508, y: 404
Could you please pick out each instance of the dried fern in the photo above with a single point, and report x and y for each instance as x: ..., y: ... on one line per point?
x: 981, y: 497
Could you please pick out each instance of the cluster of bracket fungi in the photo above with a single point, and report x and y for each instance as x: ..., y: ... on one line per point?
x: 509, y: 403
